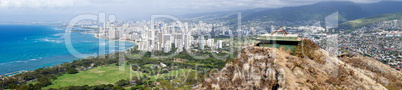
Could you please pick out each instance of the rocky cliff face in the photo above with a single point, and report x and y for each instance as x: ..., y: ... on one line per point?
x: 271, y: 69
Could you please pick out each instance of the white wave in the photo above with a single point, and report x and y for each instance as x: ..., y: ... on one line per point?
x: 103, y: 44
x: 57, y: 28
x: 62, y: 37
x: 88, y: 41
x: 59, y: 34
x: 52, y: 41
x: 32, y: 59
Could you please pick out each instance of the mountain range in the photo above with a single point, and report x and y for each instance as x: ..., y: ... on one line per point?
x: 358, y: 23
x: 318, y: 11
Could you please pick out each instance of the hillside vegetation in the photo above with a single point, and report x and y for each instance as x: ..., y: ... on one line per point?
x: 358, y: 23
x: 270, y: 69
x: 318, y: 11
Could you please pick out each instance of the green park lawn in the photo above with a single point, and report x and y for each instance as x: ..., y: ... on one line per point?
x: 100, y: 75
x: 108, y: 74
x: 148, y: 65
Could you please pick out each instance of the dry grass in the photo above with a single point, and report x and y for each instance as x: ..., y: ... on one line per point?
x: 270, y: 68
x: 385, y: 75
x: 308, y: 49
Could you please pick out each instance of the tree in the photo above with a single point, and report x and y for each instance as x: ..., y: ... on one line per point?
x: 37, y: 86
x: 12, y: 85
x: 118, y: 88
x: 23, y: 87
x: 43, y: 81
x: 138, y: 87
x: 138, y: 82
x: 123, y: 82
x: 135, y: 68
x: 193, y: 78
x: 150, y: 82
x: 72, y: 71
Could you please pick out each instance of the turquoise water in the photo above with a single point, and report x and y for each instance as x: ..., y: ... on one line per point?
x: 27, y: 47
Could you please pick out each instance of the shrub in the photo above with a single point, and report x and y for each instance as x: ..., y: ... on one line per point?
x: 12, y: 85
x: 342, y: 76
x: 72, y: 71
x: 118, y: 88
x: 305, y: 48
x: 23, y: 87
x: 123, y: 82
x: 137, y: 87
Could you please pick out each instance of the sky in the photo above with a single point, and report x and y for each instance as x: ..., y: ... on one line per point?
x: 63, y: 10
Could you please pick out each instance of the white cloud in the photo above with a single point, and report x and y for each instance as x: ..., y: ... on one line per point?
x: 31, y: 10
x: 365, y: 1
x: 38, y: 3
x: 164, y: 4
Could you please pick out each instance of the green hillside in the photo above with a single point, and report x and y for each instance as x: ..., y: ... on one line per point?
x: 358, y: 23
x: 347, y: 10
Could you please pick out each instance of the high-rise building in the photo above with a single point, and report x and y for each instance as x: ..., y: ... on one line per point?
x: 219, y: 43
x: 160, y: 38
x: 179, y: 40
x: 187, y: 40
x: 213, y: 31
x: 201, y: 42
x: 166, y: 38
x: 210, y: 42
x: 178, y: 44
x: 158, y: 46
x: 114, y: 34
x: 167, y: 47
x: 134, y: 36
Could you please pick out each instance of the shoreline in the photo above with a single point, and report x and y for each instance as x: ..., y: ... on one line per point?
x: 10, y: 74
x: 95, y: 35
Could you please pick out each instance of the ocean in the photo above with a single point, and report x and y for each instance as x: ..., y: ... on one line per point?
x: 28, y: 47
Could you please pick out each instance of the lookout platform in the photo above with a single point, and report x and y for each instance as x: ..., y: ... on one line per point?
x: 278, y: 39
